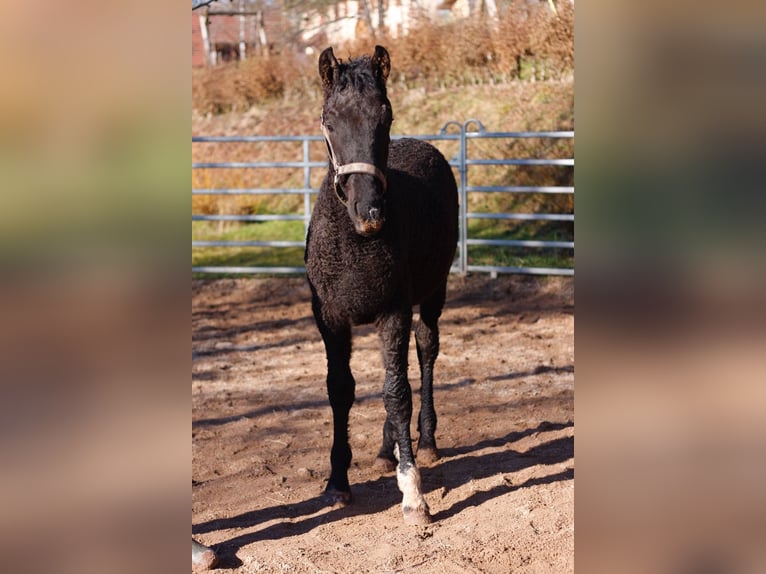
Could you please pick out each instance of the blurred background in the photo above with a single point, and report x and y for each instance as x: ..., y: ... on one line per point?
x: 94, y: 159
x: 95, y: 106
x: 670, y: 398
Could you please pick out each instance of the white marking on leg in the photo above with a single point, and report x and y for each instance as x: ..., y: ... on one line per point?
x: 396, y: 451
x: 409, y: 484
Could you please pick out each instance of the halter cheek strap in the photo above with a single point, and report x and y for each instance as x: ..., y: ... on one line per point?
x: 348, y: 168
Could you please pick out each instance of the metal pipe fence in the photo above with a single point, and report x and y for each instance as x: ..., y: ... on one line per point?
x: 460, y: 161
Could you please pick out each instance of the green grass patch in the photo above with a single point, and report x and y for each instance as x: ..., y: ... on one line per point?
x: 294, y: 231
x: 520, y: 257
x: 506, y: 256
x: 246, y: 256
x: 256, y: 231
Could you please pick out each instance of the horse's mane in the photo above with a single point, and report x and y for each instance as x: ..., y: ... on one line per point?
x: 357, y: 73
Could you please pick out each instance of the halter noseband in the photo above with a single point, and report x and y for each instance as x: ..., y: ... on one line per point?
x: 345, y: 169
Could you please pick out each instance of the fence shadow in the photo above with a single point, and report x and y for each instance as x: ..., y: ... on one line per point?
x: 539, y: 370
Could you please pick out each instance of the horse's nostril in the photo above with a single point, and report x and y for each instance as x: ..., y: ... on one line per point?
x: 374, y: 213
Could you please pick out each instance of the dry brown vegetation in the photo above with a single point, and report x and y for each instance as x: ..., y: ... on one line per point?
x: 526, y: 38
x: 513, y: 106
x: 527, y: 42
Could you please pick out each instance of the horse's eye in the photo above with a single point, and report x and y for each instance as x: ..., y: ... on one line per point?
x: 329, y: 127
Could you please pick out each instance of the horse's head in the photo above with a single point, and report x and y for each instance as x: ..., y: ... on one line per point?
x: 356, y: 120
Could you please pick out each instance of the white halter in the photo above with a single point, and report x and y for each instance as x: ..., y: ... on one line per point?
x: 355, y: 167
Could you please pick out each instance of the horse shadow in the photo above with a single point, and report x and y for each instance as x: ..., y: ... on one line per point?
x: 457, y: 471
x: 456, y: 468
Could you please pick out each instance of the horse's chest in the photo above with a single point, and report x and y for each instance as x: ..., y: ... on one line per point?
x: 354, y: 280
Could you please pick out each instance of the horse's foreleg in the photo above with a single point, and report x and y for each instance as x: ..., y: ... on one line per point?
x: 394, y: 331
x: 340, y: 390
x: 427, y: 341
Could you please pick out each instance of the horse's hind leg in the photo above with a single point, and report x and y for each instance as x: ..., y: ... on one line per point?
x: 386, y: 460
x: 427, y: 340
x: 340, y: 389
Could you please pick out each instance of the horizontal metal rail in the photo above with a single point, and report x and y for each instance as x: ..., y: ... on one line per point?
x: 264, y: 217
x: 317, y: 138
x: 483, y: 134
x: 254, y: 191
x: 460, y: 162
x: 521, y: 270
x: 522, y: 243
x: 523, y: 216
x: 256, y: 164
x: 249, y: 243
x: 566, y: 161
x: 522, y: 188
x: 254, y: 270
x: 255, y: 139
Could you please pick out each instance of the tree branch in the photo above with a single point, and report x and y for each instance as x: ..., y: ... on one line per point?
x: 200, y: 3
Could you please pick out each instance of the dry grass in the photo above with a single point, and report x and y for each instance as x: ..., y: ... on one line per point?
x: 483, y: 51
x: 527, y: 43
x: 238, y: 86
x: 515, y: 106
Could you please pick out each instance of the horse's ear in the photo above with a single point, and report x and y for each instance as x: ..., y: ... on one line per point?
x: 328, y: 67
x: 381, y: 63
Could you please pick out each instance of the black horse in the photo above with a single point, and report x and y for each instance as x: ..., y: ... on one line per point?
x: 382, y: 238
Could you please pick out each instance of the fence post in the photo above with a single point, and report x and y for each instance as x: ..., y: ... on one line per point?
x: 463, y: 169
x: 307, y: 185
x: 464, y: 192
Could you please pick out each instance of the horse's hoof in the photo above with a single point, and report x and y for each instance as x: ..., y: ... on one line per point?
x: 384, y: 464
x: 335, y: 497
x: 416, y: 516
x: 427, y: 455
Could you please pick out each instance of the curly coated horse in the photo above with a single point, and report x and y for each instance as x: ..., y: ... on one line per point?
x: 382, y: 239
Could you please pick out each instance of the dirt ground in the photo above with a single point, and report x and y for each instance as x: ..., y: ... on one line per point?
x: 502, y: 494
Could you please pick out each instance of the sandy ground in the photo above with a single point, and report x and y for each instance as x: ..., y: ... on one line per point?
x: 502, y: 495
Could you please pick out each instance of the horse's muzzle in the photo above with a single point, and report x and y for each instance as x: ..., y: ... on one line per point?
x: 371, y: 224
x: 369, y: 227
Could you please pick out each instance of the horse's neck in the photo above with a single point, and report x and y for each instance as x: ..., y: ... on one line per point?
x: 331, y: 206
